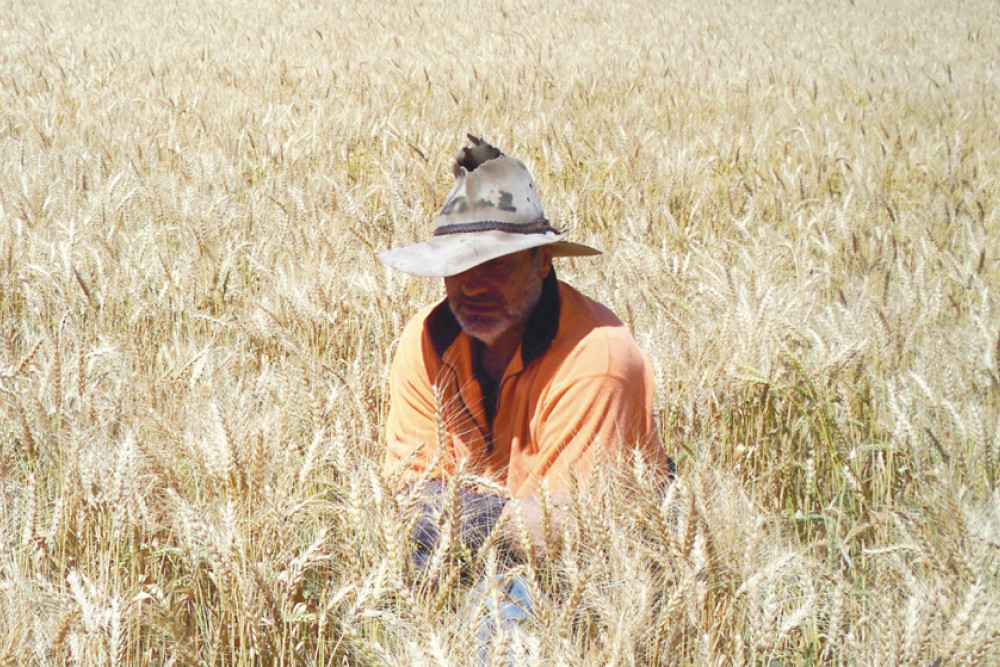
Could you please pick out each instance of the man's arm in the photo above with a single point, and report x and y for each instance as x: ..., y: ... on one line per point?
x: 582, y: 421
x: 585, y: 421
x: 411, y: 429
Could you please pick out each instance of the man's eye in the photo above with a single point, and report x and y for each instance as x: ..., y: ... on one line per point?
x: 500, y: 264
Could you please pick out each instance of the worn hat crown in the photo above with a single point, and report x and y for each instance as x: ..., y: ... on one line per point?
x: 492, y: 191
x: 493, y: 209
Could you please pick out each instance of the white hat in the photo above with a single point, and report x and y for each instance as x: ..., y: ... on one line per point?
x: 492, y: 210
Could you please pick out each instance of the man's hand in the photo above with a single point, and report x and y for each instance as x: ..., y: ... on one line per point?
x: 524, y: 519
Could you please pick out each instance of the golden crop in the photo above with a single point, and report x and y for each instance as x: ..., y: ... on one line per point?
x: 799, y: 204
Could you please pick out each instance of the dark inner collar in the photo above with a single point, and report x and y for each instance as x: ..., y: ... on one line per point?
x: 543, y: 321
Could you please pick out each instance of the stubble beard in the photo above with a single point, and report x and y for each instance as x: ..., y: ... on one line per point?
x: 489, y: 327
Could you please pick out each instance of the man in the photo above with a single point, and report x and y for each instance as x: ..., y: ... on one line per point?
x: 515, y: 373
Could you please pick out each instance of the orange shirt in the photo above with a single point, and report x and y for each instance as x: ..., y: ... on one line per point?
x: 577, y: 385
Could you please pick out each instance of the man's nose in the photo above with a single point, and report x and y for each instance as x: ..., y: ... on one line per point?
x: 478, y: 281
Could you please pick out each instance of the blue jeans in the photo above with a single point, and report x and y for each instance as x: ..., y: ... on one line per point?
x: 480, y: 512
x: 514, y: 614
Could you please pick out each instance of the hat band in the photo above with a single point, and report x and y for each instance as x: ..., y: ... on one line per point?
x: 541, y: 226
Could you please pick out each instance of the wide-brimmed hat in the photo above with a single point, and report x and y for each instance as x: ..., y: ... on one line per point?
x: 492, y: 210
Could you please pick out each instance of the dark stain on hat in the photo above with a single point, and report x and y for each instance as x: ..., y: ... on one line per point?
x: 506, y: 202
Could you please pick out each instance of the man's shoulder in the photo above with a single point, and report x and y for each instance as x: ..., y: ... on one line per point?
x: 414, y: 327
x: 419, y: 318
x: 594, y: 338
x: 583, y: 310
x: 416, y: 334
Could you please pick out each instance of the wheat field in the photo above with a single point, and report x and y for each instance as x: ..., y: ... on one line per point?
x: 799, y: 204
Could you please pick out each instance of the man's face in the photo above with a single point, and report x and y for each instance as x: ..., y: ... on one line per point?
x: 496, y: 297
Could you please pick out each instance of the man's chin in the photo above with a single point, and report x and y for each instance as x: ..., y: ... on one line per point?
x: 482, y: 329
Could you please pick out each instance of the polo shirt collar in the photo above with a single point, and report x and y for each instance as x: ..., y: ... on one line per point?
x: 543, y: 323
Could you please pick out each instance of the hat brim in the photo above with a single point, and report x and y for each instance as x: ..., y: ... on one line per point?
x: 451, y: 254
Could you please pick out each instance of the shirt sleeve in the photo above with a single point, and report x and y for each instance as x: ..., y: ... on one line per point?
x: 411, y: 433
